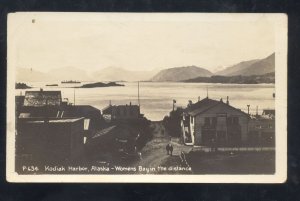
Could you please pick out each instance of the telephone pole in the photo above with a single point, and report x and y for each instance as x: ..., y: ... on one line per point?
x: 139, y: 93
x: 74, y: 96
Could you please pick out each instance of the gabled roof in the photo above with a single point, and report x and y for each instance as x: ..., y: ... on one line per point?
x: 201, y: 106
x: 86, y: 111
x: 42, y: 98
x: 83, y: 109
x: 206, y: 104
x: 110, y: 108
x: 107, y: 109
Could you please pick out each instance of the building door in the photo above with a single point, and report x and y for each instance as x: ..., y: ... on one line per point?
x: 233, y: 131
x: 221, y: 130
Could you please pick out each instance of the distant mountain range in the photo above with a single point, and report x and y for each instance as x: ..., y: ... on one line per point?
x: 180, y: 74
x: 191, y: 73
x: 69, y: 73
x: 245, y: 68
x: 252, y: 67
x: 120, y: 74
x: 72, y: 73
x: 31, y: 75
x: 54, y: 75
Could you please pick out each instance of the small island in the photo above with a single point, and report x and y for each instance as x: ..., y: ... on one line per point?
x: 100, y: 84
x: 20, y: 85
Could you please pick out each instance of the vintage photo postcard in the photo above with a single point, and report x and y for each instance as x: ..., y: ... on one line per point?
x: 147, y: 97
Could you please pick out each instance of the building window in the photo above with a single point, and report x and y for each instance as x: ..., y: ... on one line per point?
x: 235, y: 120
x: 270, y: 126
x: 207, y: 121
x: 214, y: 121
x: 229, y: 120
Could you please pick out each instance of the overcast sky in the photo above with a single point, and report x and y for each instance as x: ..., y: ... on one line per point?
x: 138, y: 42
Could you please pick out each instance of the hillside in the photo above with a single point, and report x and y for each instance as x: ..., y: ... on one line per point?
x: 120, y: 74
x: 237, y: 79
x: 73, y: 73
x: 180, y: 74
x: 31, y: 75
x: 57, y: 74
x: 252, y: 67
x: 69, y: 73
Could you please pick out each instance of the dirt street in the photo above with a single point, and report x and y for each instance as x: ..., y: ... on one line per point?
x: 154, y: 153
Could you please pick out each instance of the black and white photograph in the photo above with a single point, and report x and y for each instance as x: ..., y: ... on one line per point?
x: 147, y: 97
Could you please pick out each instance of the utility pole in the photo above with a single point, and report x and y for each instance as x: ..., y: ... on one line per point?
x: 207, y: 92
x: 74, y: 96
x: 174, y: 101
x: 257, y: 110
x: 139, y: 93
x: 248, y: 119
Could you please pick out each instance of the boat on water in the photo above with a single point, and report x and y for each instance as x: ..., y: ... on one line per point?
x: 70, y: 82
x: 51, y: 85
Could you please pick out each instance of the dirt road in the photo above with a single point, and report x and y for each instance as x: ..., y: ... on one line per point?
x: 154, y: 153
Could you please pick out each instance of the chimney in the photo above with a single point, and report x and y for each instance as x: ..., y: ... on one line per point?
x: 41, y: 89
x: 198, y: 98
x: 221, y: 100
x: 227, y: 102
x: 130, y: 103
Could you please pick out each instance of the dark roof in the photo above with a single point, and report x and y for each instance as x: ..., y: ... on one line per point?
x: 42, y: 98
x: 82, y: 111
x: 207, y: 104
x: 108, y: 109
x: 85, y: 108
x: 125, y: 106
x: 201, y: 106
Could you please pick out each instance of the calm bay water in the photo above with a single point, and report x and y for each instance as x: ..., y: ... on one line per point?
x: 156, y: 98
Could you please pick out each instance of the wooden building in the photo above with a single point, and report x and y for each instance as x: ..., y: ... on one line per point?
x: 122, y: 112
x: 49, y: 104
x: 49, y: 141
x: 262, y: 131
x: 41, y: 103
x: 214, y: 123
x: 113, y: 141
